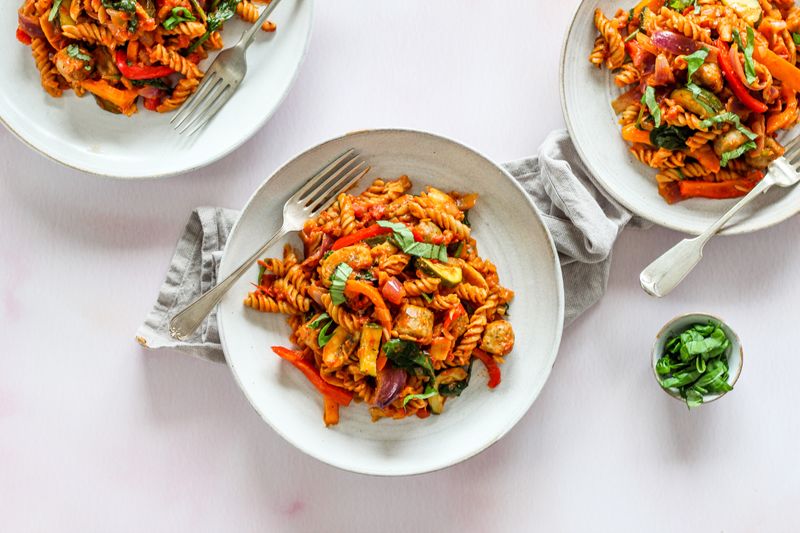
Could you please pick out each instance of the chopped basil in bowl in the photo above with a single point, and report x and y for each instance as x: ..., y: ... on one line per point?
x: 697, y: 358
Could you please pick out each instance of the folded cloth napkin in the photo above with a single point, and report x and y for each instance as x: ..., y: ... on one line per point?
x: 584, y: 224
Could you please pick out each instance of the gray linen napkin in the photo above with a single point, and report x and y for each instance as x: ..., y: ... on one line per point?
x: 584, y: 224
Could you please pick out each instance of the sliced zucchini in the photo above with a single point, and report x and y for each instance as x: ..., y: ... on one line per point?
x: 699, y: 101
x: 749, y: 10
x: 450, y: 275
x: 368, y: 349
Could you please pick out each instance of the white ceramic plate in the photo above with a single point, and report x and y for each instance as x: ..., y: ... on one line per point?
x: 508, y: 230
x: 76, y: 132
x: 586, y: 95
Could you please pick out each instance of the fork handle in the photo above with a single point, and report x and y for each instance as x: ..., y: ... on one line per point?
x: 247, y: 36
x: 665, y: 273
x: 189, y: 319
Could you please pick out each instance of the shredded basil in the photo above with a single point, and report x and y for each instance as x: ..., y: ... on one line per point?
x: 429, y: 391
x: 54, y: 10
x: 222, y: 11
x: 323, y: 323
x: 671, y: 137
x: 366, y: 275
x: 338, y: 281
x: 407, y: 355
x: 796, y: 38
x: 74, y: 51
x: 404, y: 240
x: 747, y: 50
x: 695, y: 362
x: 178, y: 15
x: 319, y: 321
x: 736, y: 152
x: 681, y: 5
x: 693, y: 62
x: 649, y: 99
x: 632, y: 35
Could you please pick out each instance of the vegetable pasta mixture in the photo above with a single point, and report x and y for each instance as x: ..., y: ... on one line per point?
x: 120, y: 50
x: 391, y: 303
x: 709, y: 84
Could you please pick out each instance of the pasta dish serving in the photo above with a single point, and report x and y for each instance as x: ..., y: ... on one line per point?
x: 708, y: 84
x: 390, y: 303
x: 120, y: 50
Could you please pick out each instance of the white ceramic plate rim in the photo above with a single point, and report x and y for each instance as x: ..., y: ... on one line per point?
x: 738, y: 228
x: 513, y: 420
x: 214, y: 157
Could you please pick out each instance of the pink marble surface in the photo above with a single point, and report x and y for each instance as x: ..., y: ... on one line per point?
x: 98, y: 435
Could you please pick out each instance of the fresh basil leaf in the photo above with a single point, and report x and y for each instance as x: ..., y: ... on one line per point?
x: 670, y: 137
x: 178, y: 15
x: 663, y: 366
x: 324, y: 336
x: 680, y: 379
x: 466, y: 221
x: 693, y: 62
x: 338, y: 281
x: 366, y: 275
x: 681, y: 5
x: 429, y: 391
x: 796, y: 38
x: 732, y: 118
x: 693, y: 398
x: 404, y: 239
x: 649, y: 100
x: 632, y: 35
x: 452, y: 390
x: 321, y: 319
x: 75, y: 52
x: 736, y: 152
x: 54, y: 10
x: 222, y: 11
x: 747, y: 50
x: 428, y: 298
x: 407, y: 355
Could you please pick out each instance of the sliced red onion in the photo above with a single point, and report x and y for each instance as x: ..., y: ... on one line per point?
x: 30, y: 25
x: 624, y: 100
x: 391, y: 381
x: 663, y: 71
x: 148, y: 91
x: 673, y: 42
x: 313, y: 260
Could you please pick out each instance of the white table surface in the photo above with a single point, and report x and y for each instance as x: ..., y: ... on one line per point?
x: 97, y: 434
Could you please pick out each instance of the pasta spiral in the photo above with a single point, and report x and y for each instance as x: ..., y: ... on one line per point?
x: 615, y: 54
x: 175, y: 61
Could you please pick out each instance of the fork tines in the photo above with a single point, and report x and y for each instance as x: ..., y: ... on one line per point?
x: 214, y: 91
x: 337, y: 177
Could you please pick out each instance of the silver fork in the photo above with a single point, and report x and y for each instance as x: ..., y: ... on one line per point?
x: 666, y: 272
x: 220, y: 81
x: 308, y: 202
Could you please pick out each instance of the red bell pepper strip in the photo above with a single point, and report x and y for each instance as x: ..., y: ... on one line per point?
x: 360, y: 235
x: 139, y: 72
x: 338, y: 395
x: 152, y: 103
x: 453, y: 314
x: 355, y: 287
x: 491, y: 366
x: 715, y: 190
x: 738, y: 88
x: 23, y: 37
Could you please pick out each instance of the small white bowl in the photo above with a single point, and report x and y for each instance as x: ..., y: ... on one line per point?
x: 680, y: 324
